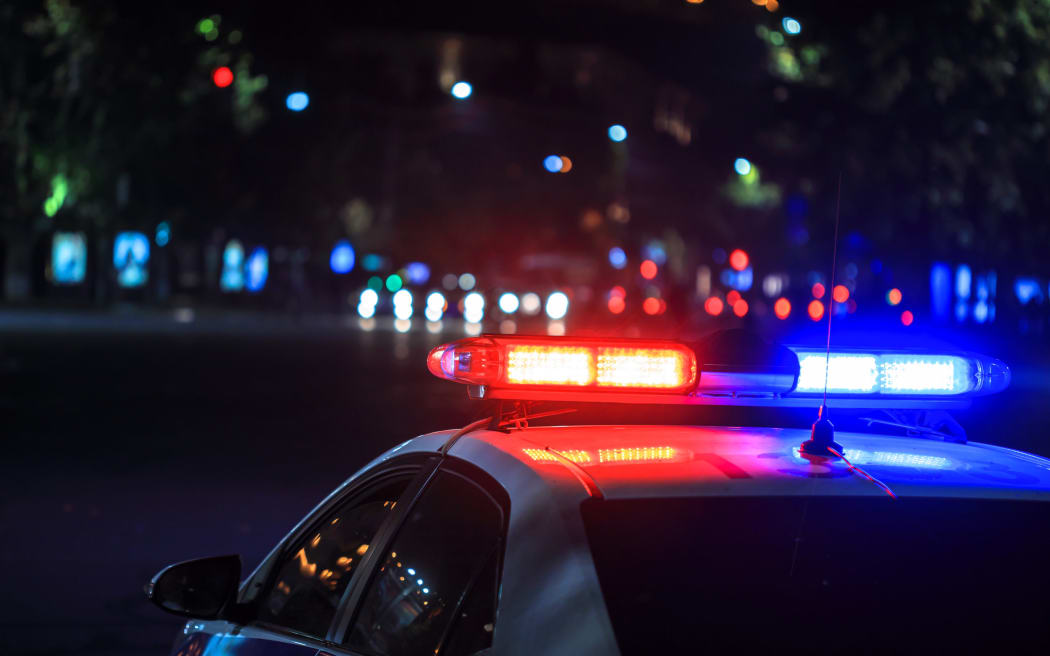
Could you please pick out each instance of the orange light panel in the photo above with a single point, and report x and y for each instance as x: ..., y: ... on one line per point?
x: 540, y: 455
x: 549, y: 365
x: 644, y: 367
x: 637, y: 454
x: 579, y: 456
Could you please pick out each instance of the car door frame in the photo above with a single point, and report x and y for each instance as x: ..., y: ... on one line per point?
x: 420, y: 465
x: 353, y: 597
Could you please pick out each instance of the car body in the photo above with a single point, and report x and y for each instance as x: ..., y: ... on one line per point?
x: 655, y: 539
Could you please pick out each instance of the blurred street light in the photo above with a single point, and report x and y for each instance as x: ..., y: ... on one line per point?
x: 742, y: 166
x: 791, y: 26
x: 552, y: 163
x: 617, y: 132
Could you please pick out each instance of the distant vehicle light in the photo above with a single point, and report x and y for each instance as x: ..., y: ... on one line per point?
x: 557, y: 305
x: 366, y: 311
x: 617, y: 258
x: 467, y: 281
x: 616, y: 304
x: 648, y: 269
x: 815, y: 310
x: 782, y: 308
x: 739, y: 259
x: 342, y: 258
x: 740, y: 308
x: 433, y: 313
x: 508, y: 302
x: 651, y: 305
x: 530, y: 303
x: 297, y: 101
x: 566, y: 363
x: 393, y: 282
x: 462, y: 90
x: 840, y: 293
x: 714, y: 306
x: 402, y: 297
x: 474, y: 307
x: 552, y: 163
x: 742, y: 166
x: 436, y: 299
x: 617, y: 132
x: 369, y: 297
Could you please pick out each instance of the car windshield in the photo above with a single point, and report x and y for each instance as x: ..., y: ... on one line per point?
x: 821, y: 573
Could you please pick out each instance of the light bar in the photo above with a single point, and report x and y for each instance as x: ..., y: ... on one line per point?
x: 503, y: 362
x: 897, y: 373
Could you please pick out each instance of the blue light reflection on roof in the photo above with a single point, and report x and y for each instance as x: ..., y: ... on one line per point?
x: 892, y: 459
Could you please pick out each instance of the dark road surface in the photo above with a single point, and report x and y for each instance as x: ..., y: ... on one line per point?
x: 125, y: 451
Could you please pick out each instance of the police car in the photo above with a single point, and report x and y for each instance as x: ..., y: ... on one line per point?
x: 509, y: 538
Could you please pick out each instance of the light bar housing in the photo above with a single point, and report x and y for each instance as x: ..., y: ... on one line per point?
x: 572, y: 369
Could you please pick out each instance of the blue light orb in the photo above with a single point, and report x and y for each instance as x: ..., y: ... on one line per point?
x: 617, y: 258
x: 418, y: 273
x: 617, y: 132
x: 462, y: 90
x: 256, y: 269
x: 297, y: 101
x: 791, y: 26
x: 552, y: 163
x: 342, y: 258
x: 742, y: 166
x: 163, y: 234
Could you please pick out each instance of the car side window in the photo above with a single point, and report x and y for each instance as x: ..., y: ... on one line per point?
x: 441, y: 552
x: 315, y: 571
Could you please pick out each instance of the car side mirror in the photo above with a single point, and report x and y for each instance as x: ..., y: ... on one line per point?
x: 199, y: 588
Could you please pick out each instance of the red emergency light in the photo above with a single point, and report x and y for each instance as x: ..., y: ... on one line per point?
x: 498, y: 362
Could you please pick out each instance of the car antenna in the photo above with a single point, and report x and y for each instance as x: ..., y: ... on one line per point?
x: 821, y: 440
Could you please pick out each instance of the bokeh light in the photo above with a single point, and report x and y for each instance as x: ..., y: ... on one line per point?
x: 566, y: 164
x: 342, y: 258
x: 617, y: 132
x: 297, y: 101
x: 557, y: 305
x: 818, y: 290
x: 739, y: 260
x: 552, y: 163
x: 651, y: 305
x: 791, y: 26
x: 617, y: 258
x: 907, y: 318
x: 714, y: 306
x: 222, y: 77
x: 393, y: 282
x: 508, y: 302
x: 418, y: 273
x: 530, y: 303
x: 742, y: 166
x: 840, y: 293
x: 894, y: 296
x: 740, y: 308
x: 474, y: 307
x: 616, y: 304
x: 467, y: 282
x: 648, y: 269
x: 782, y: 308
x: 461, y: 90
x: 816, y: 310
x: 732, y: 297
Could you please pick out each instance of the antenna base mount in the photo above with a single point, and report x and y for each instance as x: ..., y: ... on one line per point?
x: 821, y: 438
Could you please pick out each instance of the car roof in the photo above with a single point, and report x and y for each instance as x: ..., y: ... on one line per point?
x: 673, y: 461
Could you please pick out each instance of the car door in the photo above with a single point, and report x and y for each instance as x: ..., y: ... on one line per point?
x: 294, y: 598
x: 435, y: 588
